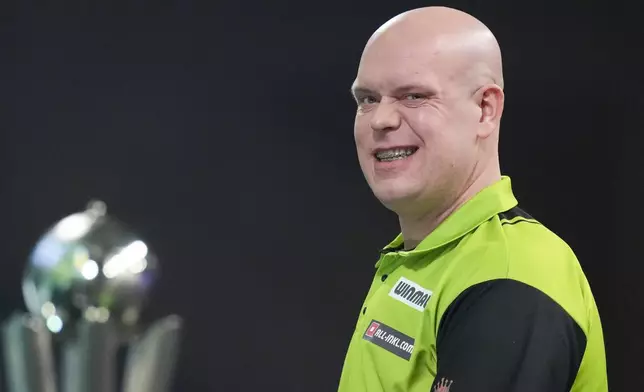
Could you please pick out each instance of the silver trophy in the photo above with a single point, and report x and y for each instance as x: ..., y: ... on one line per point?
x: 84, y: 287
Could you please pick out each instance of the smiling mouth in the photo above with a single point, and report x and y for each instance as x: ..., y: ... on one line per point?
x: 395, y: 154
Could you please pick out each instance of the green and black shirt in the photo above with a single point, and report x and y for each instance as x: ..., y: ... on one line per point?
x: 490, y: 301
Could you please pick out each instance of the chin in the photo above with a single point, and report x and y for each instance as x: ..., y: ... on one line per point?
x: 395, y: 196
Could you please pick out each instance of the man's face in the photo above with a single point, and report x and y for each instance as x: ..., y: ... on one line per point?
x: 416, y: 123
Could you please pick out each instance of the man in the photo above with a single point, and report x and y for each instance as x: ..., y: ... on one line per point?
x: 474, y: 295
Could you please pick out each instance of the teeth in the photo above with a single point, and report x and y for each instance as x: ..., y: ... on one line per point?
x: 393, y: 154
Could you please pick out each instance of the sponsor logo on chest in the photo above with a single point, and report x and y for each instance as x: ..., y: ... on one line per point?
x: 410, y: 294
x: 390, y: 339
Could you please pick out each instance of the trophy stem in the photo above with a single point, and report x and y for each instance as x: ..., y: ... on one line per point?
x: 89, y: 362
x: 28, y: 356
x: 151, y: 361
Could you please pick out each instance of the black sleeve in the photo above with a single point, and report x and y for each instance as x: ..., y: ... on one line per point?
x: 507, y: 336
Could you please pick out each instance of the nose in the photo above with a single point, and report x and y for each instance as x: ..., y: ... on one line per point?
x: 386, y: 117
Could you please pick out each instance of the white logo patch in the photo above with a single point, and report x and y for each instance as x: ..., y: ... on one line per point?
x: 410, y: 294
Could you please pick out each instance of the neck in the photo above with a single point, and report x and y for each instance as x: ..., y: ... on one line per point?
x: 416, y: 227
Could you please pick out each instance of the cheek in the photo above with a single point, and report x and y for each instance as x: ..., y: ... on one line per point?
x: 361, y: 132
x: 442, y: 141
x: 439, y: 130
x: 425, y: 125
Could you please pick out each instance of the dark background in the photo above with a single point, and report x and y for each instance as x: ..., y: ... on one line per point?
x: 223, y: 132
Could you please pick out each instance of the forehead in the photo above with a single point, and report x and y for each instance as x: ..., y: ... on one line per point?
x: 387, y: 64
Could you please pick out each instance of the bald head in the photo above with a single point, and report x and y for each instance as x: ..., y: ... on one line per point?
x: 429, y: 104
x: 466, y: 47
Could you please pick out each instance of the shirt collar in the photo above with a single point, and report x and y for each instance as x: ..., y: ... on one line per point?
x: 489, y: 202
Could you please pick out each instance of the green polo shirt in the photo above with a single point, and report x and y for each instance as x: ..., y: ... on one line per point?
x: 489, y: 301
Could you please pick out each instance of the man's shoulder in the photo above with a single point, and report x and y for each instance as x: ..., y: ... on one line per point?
x: 540, y: 258
x: 514, y: 240
x: 535, y: 254
x: 530, y: 244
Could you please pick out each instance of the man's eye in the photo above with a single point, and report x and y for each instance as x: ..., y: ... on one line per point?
x: 366, y: 100
x: 413, y: 97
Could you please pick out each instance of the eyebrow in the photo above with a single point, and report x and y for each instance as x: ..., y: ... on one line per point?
x: 418, y: 87
x: 359, y: 90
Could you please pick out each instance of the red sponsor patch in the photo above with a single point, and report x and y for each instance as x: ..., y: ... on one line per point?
x: 372, y: 329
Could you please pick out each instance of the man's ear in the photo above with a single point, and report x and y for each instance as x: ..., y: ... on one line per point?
x: 490, y: 99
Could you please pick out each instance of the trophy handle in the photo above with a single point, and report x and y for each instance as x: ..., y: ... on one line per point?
x: 89, y: 361
x: 28, y: 355
x: 151, y: 361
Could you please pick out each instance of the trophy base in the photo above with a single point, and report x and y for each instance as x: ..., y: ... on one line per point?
x: 88, y: 361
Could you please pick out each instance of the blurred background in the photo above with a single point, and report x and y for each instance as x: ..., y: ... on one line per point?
x: 222, y: 131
